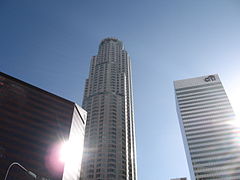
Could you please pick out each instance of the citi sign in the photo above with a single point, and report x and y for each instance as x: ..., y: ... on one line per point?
x: 210, y: 78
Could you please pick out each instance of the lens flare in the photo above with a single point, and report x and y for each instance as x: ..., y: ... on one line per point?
x: 71, y: 151
x: 65, y: 151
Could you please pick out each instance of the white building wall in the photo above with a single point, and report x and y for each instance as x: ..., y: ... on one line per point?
x: 208, y: 126
x: 72, y: 166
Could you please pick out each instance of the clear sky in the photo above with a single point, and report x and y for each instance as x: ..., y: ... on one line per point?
x: 49, y: 43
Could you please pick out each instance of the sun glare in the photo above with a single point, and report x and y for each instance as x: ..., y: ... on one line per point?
x: 65, y: 151
x: 234, y: 98
x: 70, y: 151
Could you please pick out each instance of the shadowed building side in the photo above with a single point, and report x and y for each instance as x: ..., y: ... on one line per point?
x: 33, y: 125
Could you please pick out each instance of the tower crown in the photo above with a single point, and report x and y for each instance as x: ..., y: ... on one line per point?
x: 111, y: 39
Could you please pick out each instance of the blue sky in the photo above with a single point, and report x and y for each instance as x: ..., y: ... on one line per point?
x: 50, y: 43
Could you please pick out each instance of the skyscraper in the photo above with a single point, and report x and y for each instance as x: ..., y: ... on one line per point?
x: 109, y: 152
x: 34, y: 124
x: 209, y: 131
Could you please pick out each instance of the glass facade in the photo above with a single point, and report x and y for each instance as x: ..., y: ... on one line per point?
x: 32, y: 124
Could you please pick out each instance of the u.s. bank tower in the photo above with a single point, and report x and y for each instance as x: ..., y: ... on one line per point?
x: 110, y: 151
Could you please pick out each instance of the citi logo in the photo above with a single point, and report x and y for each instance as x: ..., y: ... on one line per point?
x: 210, y: 78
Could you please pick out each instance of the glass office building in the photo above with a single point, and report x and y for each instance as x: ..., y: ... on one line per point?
x: 209, y: 129
x: 33, y: 125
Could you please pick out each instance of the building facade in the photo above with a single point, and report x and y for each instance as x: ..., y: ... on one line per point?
x: 33, y: 126
x: 209, y: 129
x: 109, y: 151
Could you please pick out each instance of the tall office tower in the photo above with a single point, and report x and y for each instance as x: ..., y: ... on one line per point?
x: 109, y: 151
x: 37, y: 131
x: 209, y: 130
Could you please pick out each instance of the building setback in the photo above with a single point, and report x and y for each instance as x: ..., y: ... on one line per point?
x: 208, y: 126
x: 109, y: 152
x: 33, y: 125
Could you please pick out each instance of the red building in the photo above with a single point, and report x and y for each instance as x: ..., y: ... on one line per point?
x: 33, y: 125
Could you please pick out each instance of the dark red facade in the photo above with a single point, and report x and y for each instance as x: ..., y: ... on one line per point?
x: 32, y: 122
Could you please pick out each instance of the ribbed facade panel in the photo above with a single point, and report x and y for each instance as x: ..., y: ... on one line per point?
x: 209, y: 131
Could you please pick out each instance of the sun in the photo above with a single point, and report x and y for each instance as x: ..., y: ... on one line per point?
x: 70, y: 150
